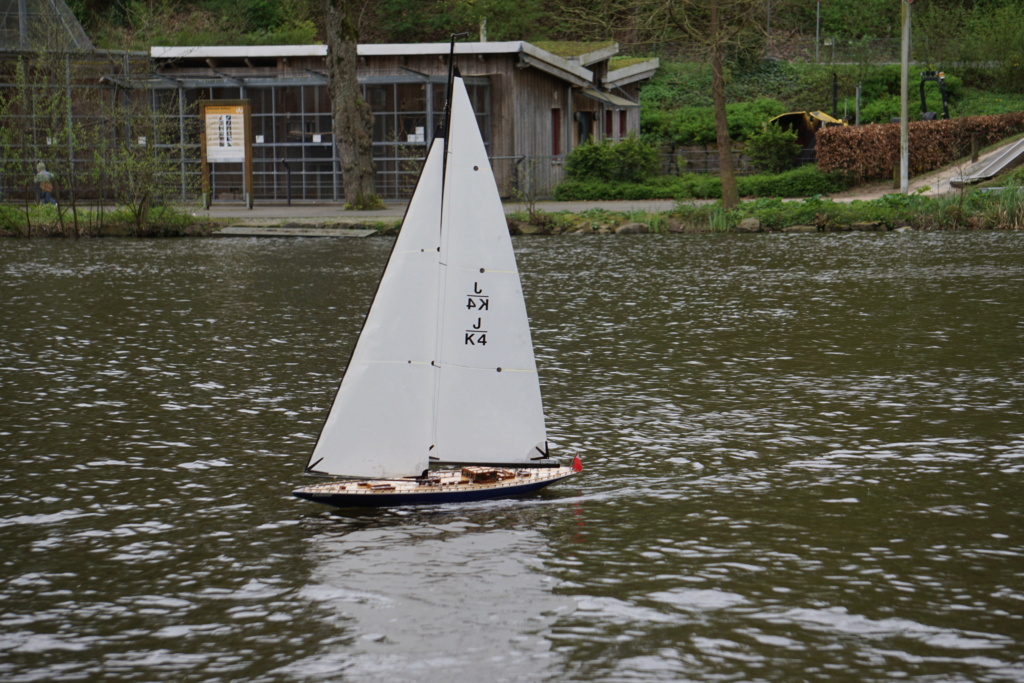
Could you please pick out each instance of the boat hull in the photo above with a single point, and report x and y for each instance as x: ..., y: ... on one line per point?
x: 441, y: 490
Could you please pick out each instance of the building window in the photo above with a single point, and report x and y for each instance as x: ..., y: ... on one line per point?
x: 623, y: 124
x: 584, y: 126
x: 609, y: 126
x: 556, y: 132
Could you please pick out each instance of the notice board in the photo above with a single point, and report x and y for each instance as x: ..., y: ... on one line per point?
x: 226, y: 139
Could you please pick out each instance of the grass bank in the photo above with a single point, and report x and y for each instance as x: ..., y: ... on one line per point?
x: 990, y: 209
x: 31, y: 220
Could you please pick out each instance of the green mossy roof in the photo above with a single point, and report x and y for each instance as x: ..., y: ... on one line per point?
x: 571, y: 48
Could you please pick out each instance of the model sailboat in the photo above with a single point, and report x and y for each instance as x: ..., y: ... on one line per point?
x: 443, y: 371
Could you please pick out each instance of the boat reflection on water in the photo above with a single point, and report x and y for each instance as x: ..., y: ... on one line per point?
x: 447, y: 593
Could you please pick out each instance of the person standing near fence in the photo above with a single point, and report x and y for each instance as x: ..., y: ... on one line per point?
x: 44, y: 181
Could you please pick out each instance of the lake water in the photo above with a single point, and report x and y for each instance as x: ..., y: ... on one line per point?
x: 804, y: 459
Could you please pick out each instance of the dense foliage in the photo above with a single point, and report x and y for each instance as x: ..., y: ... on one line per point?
x: 676, y: 109
x: 696, y: 125
x: 946, y: 32
x: 418, y: 21
x: 800, y: 182
x: 773, y: 149
x: 792, y: 86
x: 628, y: 161
x: 139, y: 24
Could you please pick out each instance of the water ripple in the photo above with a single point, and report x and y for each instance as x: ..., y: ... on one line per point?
x: 802, y: 462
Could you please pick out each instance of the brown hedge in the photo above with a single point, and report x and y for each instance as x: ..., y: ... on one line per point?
x: 871, y: 152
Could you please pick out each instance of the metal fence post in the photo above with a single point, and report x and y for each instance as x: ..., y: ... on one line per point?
x: 288, y: 180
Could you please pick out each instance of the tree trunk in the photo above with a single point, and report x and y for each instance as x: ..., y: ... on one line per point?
x: 353, y: 119
x: 730, y: 194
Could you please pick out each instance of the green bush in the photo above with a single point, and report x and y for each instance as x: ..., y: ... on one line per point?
x: 589, y: 161
x: 660, y: 187
x: 882, y: 110
x: 776, y: 214
x: 678, y: 84
x: 300, y: 32
x: 699, y: 186
x: 748, y: 118
x: 680, y: 126
x: 696, y: 125
x: 980, y: 102
x: 773, y: 149
x: 768, y: 78
x: 629, y: 161
x: 635, y: 160
x: 801, y: 182
x: 263, y: 14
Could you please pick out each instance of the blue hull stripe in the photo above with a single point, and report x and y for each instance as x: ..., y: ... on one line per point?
x: 388, y: 499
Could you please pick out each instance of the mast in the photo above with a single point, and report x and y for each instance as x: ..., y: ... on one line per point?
x: 453, y: 71
x: 445, y: 132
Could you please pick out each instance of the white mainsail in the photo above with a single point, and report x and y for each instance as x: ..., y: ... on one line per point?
x: 488, y: 400
x: 444, y: 366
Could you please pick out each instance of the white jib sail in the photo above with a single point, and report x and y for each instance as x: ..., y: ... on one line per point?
x: 380, y: 424
x: 488, y: 406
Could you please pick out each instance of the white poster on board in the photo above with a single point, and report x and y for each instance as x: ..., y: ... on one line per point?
x: 225, y: 133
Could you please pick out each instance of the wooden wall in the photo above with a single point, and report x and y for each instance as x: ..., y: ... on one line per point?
x: 522, y: 103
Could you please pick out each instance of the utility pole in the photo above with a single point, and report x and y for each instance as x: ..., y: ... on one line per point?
x: 817, y: 33
x: 904, y: 89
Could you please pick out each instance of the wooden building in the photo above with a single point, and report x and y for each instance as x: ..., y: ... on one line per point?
x: 533, y: 107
